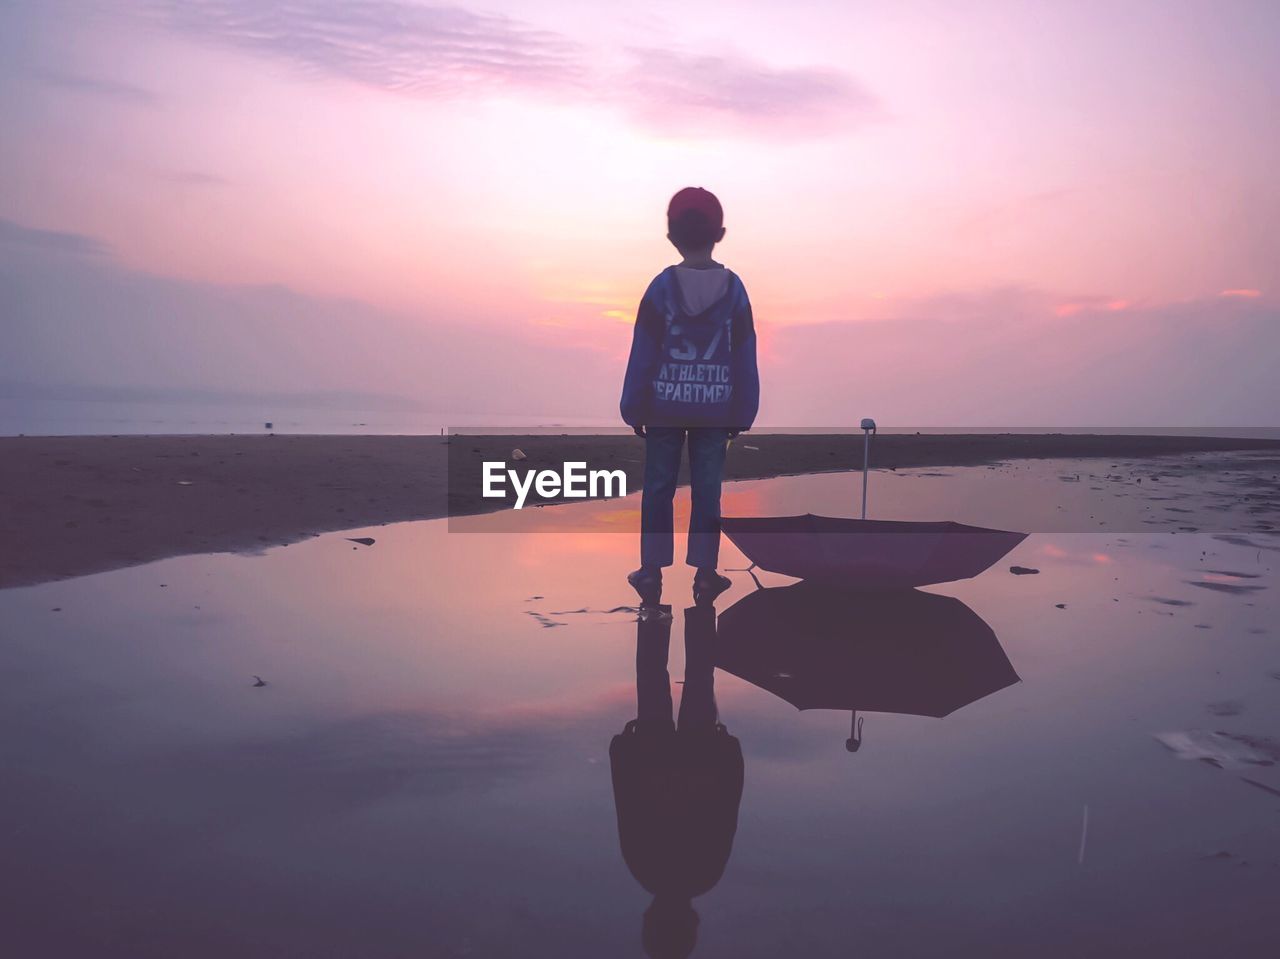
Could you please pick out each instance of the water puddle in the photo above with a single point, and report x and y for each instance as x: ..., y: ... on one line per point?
x: 438, y: 762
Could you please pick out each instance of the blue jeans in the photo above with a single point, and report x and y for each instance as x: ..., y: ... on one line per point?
x: 662, y: 451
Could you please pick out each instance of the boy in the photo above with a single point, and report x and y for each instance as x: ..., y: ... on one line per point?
x: 691, y: 376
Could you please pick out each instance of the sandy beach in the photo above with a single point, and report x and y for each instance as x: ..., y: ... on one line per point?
x: 407, y: 749
x: 79, y: 505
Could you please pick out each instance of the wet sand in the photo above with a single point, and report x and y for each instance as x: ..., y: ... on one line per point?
x: 78, y: 505
x: 426, y: 766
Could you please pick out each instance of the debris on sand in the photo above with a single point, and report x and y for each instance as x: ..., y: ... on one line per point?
x: 1059, y: 605
x: 1236, y: 589
x: 1224, y: 750
x: 362, y: 540
x: 547, y: 621
x: 518, y: 454
x: 1226, y: 707
x: 1237, y: 540
x: 632, y: 610
x: 259, y: 681
x: 1023, y: 570
x: 1262, y: 786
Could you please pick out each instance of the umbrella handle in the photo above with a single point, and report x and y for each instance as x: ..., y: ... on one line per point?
x: 868, y: 428
x: 854, y: 742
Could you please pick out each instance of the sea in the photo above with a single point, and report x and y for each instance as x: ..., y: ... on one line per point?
x: 65, y: 417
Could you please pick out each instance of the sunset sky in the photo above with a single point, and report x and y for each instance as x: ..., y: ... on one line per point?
x: 946, y: 213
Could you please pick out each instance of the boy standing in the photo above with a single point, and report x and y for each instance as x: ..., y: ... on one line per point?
x: 691, y: 376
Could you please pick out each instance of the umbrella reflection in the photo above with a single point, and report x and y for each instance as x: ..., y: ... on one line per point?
x: 905, y: 651
x: 676, y: 785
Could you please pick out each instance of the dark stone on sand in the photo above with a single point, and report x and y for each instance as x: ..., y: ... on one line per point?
x: 1220, y: 854
x: 1263, y: 786
x: 362, y: 540
x: 1060, y: 605
x: 1023, y: 570
x: 1232, y: 588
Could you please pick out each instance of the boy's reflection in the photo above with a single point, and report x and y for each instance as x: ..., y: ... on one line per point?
x: 676, y: 786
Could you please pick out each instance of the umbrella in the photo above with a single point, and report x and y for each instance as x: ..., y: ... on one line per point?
x: 897, y: 652
x: 868, y: 554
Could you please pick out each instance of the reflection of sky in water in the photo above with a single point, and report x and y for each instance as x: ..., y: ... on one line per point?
x: 1208, y: 492
x: 427, y: 772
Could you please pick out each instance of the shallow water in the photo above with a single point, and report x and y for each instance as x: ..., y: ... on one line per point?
x: 427, y: 770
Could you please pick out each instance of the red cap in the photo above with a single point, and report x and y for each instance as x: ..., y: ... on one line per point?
x: 696, y: 198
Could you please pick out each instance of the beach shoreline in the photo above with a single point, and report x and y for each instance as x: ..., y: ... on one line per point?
x: 71, y: 506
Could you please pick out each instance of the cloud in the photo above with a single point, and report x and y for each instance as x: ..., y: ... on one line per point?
x: 77, y: 320
x: 684, y: 91
x: 1092, y: 304
x: 344, y: 400
x: 1205, y: 362
x: 98, y: 86
x: 388, y: 44
x: 75, y: 317
x: 15, y: 237
x: 444, y: 52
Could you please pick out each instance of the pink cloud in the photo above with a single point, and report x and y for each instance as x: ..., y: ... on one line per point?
x: 687, y: 92
x: 1095, y: 304
x: 443, y: 52
x: 390, y: 44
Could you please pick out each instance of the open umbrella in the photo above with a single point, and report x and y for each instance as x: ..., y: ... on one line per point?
x: 818, y: 647
x: 868, y: 554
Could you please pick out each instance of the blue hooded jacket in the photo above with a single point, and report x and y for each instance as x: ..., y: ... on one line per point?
x: 692, y: 370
